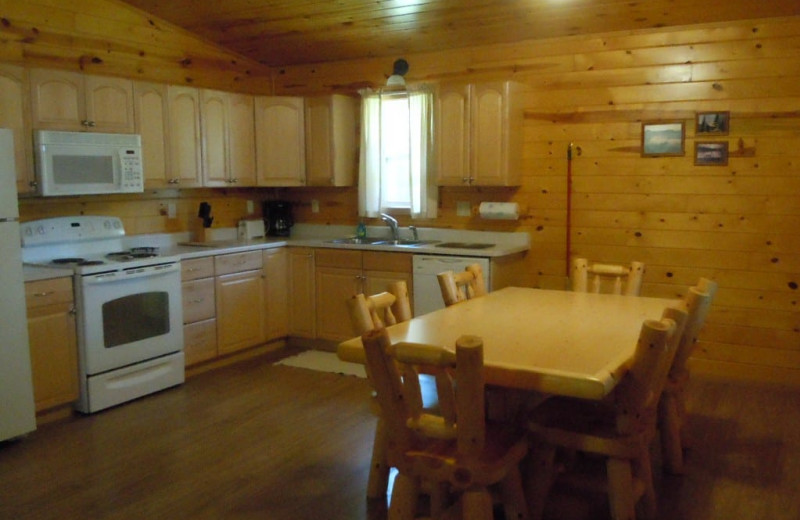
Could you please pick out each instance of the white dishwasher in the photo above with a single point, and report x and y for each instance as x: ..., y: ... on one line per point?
x: 427, y: 295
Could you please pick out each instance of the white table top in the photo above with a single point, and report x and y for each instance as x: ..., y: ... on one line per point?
x: 557, y: 342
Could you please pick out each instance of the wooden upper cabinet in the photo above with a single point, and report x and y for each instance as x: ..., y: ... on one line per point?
x: 63, y: 100
x: 228, y: 139
x: 331, y: 140
x: 214, y: 131
x: 242, y: 139
x: 280, y: 141
x: 150, y: 116
x: 185, y: 159
x: 15, y: 115
x: 479, y: 137
x: 452, y: 134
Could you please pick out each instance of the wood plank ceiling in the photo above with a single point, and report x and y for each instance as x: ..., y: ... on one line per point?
x: 292, y: 32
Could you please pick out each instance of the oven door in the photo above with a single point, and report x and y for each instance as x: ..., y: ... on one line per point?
x: 129, y: 316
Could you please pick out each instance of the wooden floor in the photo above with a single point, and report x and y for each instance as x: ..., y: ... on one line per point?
x: 256, y: 440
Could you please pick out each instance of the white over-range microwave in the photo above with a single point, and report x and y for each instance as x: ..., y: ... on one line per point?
x: 85, y: 163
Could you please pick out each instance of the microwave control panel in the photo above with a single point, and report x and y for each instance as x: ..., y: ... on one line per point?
x: 132, y: 173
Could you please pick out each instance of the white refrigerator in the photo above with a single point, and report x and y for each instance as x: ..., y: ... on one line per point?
x: 17, y: 414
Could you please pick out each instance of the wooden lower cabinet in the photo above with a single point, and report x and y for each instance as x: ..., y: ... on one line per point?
x: 276, y: 292
x: 340, y: 274
x: 53, y: 342
x: 199, y: 310
x: 239, y: 287
x: 302, y: 309
x: 200, y: 341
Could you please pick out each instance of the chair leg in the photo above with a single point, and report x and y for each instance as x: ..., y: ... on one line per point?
x: 405, y: 495
x: 642, y: 470
x: 670, y: 426
x: 539, y: 479
x: 379, y: 470
x: 477, y: 504
x: 620, y: 489
x: 514, y: 504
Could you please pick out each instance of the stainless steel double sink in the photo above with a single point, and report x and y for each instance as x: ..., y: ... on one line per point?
x: 409, y: 243
x: 381, y: 242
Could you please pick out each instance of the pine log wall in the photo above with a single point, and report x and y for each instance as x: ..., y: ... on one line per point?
x: 737, y: 223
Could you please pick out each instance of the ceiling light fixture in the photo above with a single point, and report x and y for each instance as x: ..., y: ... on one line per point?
x: 400, y: 68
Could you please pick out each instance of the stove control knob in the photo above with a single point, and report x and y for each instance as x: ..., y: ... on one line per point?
x: 40, y: 230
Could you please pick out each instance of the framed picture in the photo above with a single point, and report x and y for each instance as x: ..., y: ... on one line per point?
x: 711, y: 153
x: 663, y: 139
x: 712, y: 123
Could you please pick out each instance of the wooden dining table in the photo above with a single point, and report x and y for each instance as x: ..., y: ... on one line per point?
x: 554, y: 342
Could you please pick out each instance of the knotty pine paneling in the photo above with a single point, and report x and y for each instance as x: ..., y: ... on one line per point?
x: 109, y: 37
x: 737, y: 223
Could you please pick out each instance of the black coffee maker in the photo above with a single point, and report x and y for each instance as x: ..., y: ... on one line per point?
x: 278, y: 217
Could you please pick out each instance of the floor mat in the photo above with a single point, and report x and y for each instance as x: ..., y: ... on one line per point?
x: 323, y: 362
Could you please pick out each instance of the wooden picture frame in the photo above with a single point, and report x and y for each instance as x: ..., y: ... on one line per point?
x: 711, y: 153
x: 663, y: 139
x: 712, y: 123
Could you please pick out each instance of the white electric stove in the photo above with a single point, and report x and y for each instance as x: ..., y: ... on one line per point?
x: 128, y: 305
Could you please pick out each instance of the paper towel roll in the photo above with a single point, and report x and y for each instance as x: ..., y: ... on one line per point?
x: 499, y: 210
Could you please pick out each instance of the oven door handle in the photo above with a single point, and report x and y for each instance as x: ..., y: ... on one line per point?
x: 130, y: 274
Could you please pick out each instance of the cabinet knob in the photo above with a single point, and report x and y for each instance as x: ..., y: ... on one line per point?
x: 43, y: 294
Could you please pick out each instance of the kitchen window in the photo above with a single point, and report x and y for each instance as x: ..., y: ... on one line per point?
x: 396, y: 152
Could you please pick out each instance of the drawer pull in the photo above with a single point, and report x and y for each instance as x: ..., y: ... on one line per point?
x: 198, y: 300
x: 43, y: 294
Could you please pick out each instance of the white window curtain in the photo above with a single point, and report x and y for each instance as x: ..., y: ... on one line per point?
x: 397, y: 152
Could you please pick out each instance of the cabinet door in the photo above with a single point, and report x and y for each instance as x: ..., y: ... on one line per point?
x: 240, y: 314
x: 54, y: 355
x: 15, y: 115
x: 334, y: 286
x: 109, y: 104
x: 331, y: 140
x: 57, y: 100
x: 150, y: 116
x: 242, y: 140
x: 184, y: 136
x: 452, y: 136
x: 489, y: 139
x: 302, y: 313
x: 379, y: 281
x: 214, y: 132
x: 280, y: 141
x: 276, y: 292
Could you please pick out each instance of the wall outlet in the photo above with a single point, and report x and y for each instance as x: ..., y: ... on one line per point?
x: 463, y: 208
x: 172, y: 210
x: 250, y: 207
x: 314, y: 206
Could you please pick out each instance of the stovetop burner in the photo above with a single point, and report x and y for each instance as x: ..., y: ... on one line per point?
x: 133, y: 254
x: 67, y: 260
x: 76, y: 261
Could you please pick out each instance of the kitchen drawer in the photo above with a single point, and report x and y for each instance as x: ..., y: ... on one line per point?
x: 200, y: 341
x: 346, y: 259
x: 383, y: 261
x: 198, y: 300
x: 197, y: 268
x: 237, y: 262
x: 48, y: 292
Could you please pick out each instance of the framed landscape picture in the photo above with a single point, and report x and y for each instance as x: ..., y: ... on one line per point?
x: 663, y: 139
x: 712, y: 123
x: 712, y: 153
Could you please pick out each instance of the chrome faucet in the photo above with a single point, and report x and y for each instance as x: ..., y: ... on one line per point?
x: 392, y: 223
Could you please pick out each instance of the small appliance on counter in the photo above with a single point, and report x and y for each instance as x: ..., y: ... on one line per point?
x: 251, y: 229
x: 278, y: 218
